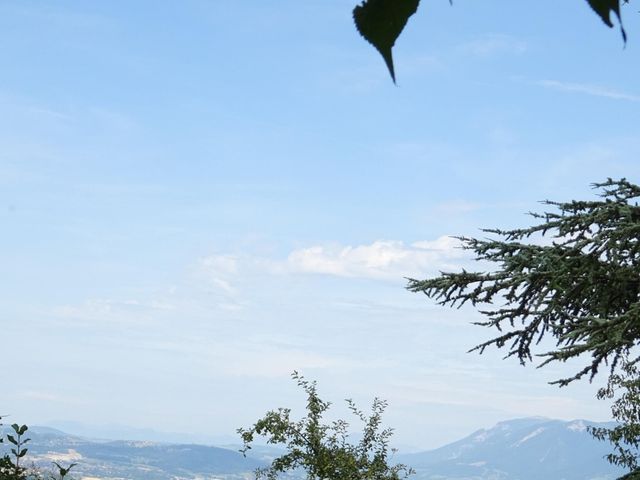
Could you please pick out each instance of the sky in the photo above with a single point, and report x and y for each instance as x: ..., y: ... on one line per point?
x: 199, y: 197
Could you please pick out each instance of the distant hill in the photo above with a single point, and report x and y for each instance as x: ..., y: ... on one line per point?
x: 125, y: 432
x: 522, y: 449
x: 136, y: 460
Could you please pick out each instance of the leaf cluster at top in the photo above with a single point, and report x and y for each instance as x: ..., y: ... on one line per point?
x: 381, y: 22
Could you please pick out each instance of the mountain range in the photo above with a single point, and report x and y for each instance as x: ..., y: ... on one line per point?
x: 135, y: 460
x: 522, y: 449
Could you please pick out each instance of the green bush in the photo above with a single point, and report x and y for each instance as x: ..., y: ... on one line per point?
x: 12, y: 466
x: 323, y: 450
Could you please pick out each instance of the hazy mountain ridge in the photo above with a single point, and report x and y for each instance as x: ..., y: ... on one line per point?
x: 521, y: 449
x: 136, y: 460
x: 126, y: 432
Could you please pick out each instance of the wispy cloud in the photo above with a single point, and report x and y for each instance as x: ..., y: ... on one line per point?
x: 223, y: 274
x: 219, y: 269
x: 474, y: 394
x: 494, y: 44
x: 267, y: 361
x: 114, y: 312
x: 381, y: 260
x: 456, y: 207
x: 46, y: 396
x: 589, y: 89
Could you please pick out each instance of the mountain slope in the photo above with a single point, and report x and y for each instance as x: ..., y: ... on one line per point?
x: 135, y: 460
x: 522, y: 449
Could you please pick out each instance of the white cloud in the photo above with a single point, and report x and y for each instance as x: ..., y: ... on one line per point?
x: 223, y: 264
x: 224, y: 274
x: 589, y: 89
x: 382, y: 259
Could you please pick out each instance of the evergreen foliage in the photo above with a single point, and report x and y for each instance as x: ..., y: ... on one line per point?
x: 323, y: 450
x: 625, y: 437
x: 582, y: 289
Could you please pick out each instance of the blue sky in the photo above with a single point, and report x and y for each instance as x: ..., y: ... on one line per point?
x: 199, y: 197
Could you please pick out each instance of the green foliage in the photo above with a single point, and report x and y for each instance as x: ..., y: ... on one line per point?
x: 63, y: 471
x: 625, y: 437
x: 604, y: 8
x: 323, y: 450
x: 11, y: 468
x: 381, y: 22
x: 583, y: 288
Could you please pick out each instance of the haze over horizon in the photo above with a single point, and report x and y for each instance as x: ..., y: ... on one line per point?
x: 201, y: 197
x: 115, y: 432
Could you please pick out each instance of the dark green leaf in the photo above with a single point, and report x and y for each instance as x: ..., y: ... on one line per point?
x: 380, y: 22
x: 604, y: 8
x: 12, y: 439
